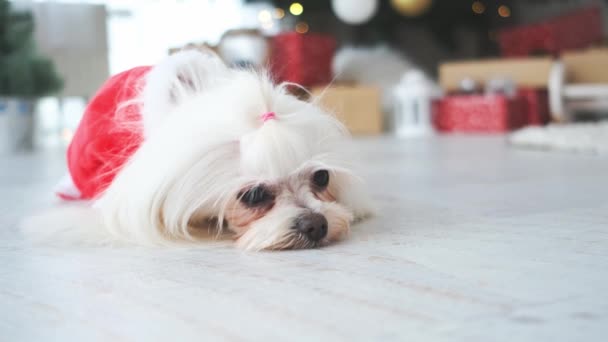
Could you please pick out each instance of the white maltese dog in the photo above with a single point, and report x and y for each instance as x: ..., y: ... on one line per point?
x: 204, y: 146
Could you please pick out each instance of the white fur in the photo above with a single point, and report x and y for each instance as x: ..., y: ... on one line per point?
x: 204, y: 142
x: 590, y: 137
x: 176, y: 79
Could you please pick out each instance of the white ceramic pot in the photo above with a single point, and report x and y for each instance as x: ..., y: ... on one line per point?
x: 16, y: 125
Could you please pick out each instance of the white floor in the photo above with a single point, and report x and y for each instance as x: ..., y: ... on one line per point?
x: 475, y: 242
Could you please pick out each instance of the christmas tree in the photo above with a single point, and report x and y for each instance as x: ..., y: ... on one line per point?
x: 23, y: 73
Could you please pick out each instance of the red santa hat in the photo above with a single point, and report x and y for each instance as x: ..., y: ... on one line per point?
x: 110, y: 131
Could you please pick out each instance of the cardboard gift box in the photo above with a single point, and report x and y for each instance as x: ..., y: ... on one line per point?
x: 530, y: 72
x: 358, y: 107
x: 479, y: 113
x: 587, y: 66
x: 305, y: 59
x: 575, y: 30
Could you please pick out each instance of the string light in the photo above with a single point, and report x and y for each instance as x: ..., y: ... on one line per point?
x: 296, y: 8
x: 302, y: 27
x: 504, y: 11
x: 279, y: 13
x: 264, y: 16
x: 478, y: 7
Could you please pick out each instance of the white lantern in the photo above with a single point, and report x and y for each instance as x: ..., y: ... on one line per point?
x: 413, y: 98
x: 354, y: 12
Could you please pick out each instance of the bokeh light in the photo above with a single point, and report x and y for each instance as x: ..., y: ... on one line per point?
x: 302, y: 27
x: 478, y: 7
x: 264, y: 16
x: 411, y: 8
x: 296, y: 8
x: 504, y: 11
x: 279, y: 13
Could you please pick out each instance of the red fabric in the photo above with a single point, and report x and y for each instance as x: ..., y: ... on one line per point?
x: 479, y: 114
x: 106, y: 137
x: 575, y: 30
x: 302, y: 58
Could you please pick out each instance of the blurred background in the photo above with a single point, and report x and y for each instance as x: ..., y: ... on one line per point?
x: 409, y: 68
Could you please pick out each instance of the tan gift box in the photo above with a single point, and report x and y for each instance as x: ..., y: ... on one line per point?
x: 358, y: 107
x: 588, y: 66
x: 530, y: 72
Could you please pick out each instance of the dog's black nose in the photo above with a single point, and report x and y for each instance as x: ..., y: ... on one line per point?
x: 312, y: 225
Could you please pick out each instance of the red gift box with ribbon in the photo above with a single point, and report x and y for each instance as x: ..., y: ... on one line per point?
x: 535, y: 106
x: 494, y: 113
x: 305, y: 59
x: 575, y: 30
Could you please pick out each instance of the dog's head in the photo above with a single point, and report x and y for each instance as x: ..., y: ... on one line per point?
x: 229, y: 146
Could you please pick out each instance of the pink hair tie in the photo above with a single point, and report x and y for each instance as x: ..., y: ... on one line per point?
x: 268, y: 116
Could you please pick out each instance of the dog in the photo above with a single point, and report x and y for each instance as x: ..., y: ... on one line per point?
x: 191, y: 144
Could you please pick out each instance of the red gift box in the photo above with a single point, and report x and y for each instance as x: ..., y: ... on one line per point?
x: 479, y: 113
x: 575, y: 30
x: 302, y: 58
x: 535, y: 105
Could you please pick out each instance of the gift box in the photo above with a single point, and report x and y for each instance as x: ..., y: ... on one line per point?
x: 586, y: 66
x: 479, y: 113
x: 574, y: 30
x: 530, y: 72
x: 359, y: 108
x: 305, y: 59
x: 535, y: 104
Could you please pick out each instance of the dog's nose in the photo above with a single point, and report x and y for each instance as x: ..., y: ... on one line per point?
x: 312, y: 225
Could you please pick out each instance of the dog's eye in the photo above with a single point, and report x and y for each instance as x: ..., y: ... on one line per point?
x: 320, y: 178
x: 256, y: 196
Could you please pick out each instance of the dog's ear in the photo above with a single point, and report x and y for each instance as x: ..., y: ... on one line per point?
x: 175, y: 79
x: 192, y: 71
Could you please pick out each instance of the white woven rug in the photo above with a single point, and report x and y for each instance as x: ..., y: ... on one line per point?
x: 572, y: 137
